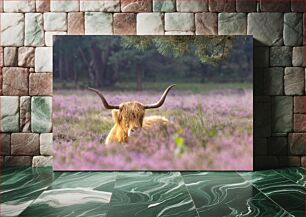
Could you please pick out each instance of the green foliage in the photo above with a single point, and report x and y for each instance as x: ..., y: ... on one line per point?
x: 208, y: 49
x: 180, y: 145
x: 112, y: 61
x: 140, y: 43
x: 179, y: 141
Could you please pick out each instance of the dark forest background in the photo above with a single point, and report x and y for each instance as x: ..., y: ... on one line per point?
x: 109, y: 62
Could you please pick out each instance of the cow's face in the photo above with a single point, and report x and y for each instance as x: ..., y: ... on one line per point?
x: 129, y: 117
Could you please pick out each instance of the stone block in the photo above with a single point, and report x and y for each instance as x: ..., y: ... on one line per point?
x: 150, y: 24
x: 1, y: 56
x: 296, y: 143
x: 206, y: 23
x: 258, y: 80
x: 305, y: 80
x: 42, y: 161
x: 304, y: 30
x: 19, y: 6
x: 261, y: 57
x: 289, y: 161
x: 163, y: 5
x: 246, y: 5
x: 299, y: 104
x: 262, y: 99
x: 34, y: 30
x: 43, y: 59
x: 280, y: 56
x: 98, y: 23
x: 293, y: 29
x: 55, y: 21
x: 41, y: 114
x: 278, y: 145
x: 179, y: 33
x: 272, y: 6
x: 64, y: 6
x: 124, y: 24
x: 12, y: 29
x: 25, y: 114
x: 76, y: 23
x: 9, y: 114
x: 26, y: 56
x: 46, y: 143
x: 294, y: 81
x: 282, y: 114
x: 222, y: 6
x: 232, y: 24
x: 136, y: 5
x: 49, y: 37
x: 42, y: 5
x: 40, y: 84
x: 260, y: 147
x: 274, y: 81
x: 179, y: 22
x: 298, y: 56
x: 17, y: 161
x: 25, y: 144
x: 101, y: 5
x: 1, y: 157
x: 303, y: 161
x: 262, y: 120
x: 10, y: 56
x: 1, y: 81
x: 192, y: 5
x: 5, y: 144
x: 15, y: 81
x: 266, y: 28
x: 1, y: 10
x: 299, y: 123
x: 265, y: 162
x: 297, y: 6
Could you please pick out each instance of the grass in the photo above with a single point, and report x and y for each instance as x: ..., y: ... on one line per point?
x: 193, y: 87
x: 214, y: 130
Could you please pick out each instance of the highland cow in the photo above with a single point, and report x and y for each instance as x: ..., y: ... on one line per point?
x: 129, y: 117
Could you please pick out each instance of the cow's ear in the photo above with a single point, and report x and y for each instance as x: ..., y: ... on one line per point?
x: 115, y: 113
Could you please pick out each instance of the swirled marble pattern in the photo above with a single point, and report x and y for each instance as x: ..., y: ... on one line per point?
x: 42, y: 192
x: 227, y: 194
x: 296, y: 174
x: 20, y: 187
x: 285, y: 192
x: 151, y: 194
x: 75, y: 193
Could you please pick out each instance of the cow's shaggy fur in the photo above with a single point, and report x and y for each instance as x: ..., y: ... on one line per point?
x: 129, y: 117
x: 129, y: 120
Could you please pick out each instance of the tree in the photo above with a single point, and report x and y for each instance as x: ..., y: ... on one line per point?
x: 209, y: 49
x: 104, y: 61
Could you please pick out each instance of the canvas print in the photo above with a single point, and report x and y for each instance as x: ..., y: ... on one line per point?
x: 153, y: 103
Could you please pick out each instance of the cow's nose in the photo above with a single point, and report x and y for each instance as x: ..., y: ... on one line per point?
x: 133, y: 131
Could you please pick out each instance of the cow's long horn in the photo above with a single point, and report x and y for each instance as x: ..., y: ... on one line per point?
x: 162, y: 99
x: 105, y: 103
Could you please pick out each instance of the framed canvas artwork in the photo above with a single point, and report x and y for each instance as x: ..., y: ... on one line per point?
x: 153, y: 103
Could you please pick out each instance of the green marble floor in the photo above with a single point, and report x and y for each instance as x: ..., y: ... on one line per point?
x: 42, y: 192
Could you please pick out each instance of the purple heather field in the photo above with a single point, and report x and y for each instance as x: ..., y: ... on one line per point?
x: 207, y: 131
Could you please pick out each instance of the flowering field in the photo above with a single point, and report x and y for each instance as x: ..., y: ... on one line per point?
x: 207, y: 131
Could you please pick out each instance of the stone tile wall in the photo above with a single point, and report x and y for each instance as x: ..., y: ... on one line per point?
x: 27, y: 27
